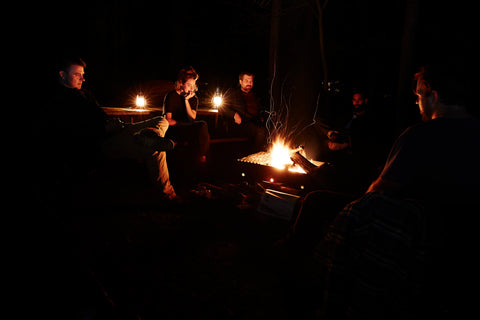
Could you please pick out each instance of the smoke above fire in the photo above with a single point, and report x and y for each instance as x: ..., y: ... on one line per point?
x: 278, y: 122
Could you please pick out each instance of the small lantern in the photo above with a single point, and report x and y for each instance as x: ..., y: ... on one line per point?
x: 140, y: 102
x: 217, y: 99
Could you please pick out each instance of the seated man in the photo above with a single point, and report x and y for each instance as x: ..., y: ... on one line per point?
x: 405, y: 249
x: 435, y: 161
x: 357, y: 156
x: 245, y: 112
x: 360, y: 148
x: 78, y: 134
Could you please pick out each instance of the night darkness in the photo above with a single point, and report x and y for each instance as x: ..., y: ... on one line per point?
x: 375, y: 45
x: 183, y: 261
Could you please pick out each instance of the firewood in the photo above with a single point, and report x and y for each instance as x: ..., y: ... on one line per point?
x: 301, y: 161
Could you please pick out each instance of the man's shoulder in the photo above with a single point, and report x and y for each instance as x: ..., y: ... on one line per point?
x: 62, y: 92
x: 66, y: 98
x: 443, y: 124
x: 235, y: 97
x: 235, y: 92
x: 420, y: 128
x: 439, y: 131
x: 59, y: 95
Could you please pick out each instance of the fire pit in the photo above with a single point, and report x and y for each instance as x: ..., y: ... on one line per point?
x: 283, y: 174
x: 281, y: 165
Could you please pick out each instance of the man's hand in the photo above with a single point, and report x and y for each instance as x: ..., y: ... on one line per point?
x: 237, y: 118
x: 336, y: 146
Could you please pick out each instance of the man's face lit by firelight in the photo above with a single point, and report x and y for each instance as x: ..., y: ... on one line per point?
x: 73, y: 77
x: 246, y: 83
x: 358, y: 99
x: 358, y: 103
x: 425, y: 100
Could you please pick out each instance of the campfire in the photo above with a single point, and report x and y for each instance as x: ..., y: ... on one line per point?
x: 283, y: 157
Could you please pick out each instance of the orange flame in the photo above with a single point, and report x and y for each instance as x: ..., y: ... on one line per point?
x: 280, y: 154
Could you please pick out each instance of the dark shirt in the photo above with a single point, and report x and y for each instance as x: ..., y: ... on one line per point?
x: 75, y: 125
x: 247, y: 105
x: 437, y: 161
x: 370, y: 144
x: 71, y: 131
x: 385, y: 253
x: 175, y: 103
x: 252, y: 103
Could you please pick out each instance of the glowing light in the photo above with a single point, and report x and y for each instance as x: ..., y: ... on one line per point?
x: 280, y: 154
x: 271, y: 180
x: 140, y: 101
x: 217, y: 101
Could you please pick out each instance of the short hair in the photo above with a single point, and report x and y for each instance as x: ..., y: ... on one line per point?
x: 184, y: 75
x: 243, y: 73
x: 449, y: 80
x: 359, y: 91
x: 66, y: 62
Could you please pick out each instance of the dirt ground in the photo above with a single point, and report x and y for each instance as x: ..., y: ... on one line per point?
x: 110, y: 254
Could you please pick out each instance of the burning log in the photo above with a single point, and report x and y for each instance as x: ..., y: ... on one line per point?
x: 283, y: 157
x: 302, y: 162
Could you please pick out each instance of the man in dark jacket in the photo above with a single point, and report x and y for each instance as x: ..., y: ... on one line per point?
x: 406, y: 248
x: 78, y: 133
x: 245, y: 112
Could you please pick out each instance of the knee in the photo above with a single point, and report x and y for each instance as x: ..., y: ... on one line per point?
x: 162, y: 125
